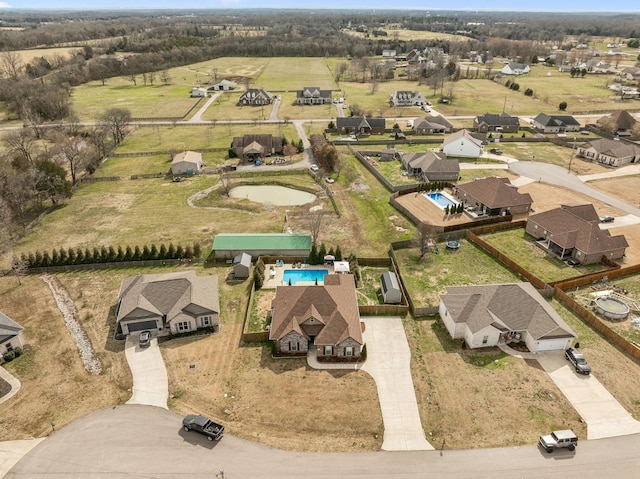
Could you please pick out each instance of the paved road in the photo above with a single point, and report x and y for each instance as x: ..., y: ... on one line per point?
x: 148, y: 442
x: 558, y: 176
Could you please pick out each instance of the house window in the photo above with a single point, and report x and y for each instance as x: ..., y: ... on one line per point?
x: 293, y: 346
x: 348, y: 351
x: 206, y: 320
x: 183, y: 326
x: 485, y: 339
x: 328, y: 350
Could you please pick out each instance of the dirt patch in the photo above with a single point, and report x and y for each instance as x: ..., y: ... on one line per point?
x: 547, y: 197
x: 624, y: 188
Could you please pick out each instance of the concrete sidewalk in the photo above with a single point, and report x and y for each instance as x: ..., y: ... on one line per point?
x: 12, y: 451
x: 150, y: 381
x: 604, y: 415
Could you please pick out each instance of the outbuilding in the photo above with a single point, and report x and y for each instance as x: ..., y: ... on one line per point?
x: 229, y: 245
x: 242, y: 266
x: 186, y: 162
x: 390, y: 286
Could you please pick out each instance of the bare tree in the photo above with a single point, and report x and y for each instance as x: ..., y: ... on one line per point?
x: 11, y: 65
x: 314, y: 220
x: 425, y: 237
x: 21, y: 143
x: 77, y: 152
x: 225, y: 184
x: 117, y: 120
x: 165, y: 76
x: 18, y: 268
x: 289, y: 150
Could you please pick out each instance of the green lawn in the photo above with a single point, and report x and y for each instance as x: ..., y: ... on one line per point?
x: 369, y: 292
x: 426, y: 278
x: 521, y: 248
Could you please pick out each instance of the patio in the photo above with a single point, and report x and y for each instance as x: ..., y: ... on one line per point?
x: 274, y: 273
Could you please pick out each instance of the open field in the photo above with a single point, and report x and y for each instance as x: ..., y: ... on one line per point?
x: 28, y: 55
x: 426, y: 278
x: 412, y: 35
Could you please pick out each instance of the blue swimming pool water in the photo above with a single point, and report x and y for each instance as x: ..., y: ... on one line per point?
x: 309, y: 275
x: 441, y: 199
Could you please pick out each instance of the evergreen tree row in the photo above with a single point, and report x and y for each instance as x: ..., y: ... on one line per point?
x: 316, y: 256
x: 109, y: 254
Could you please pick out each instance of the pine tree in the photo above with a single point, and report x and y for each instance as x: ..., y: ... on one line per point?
x: 332, y: 252
x: 196, y: 250
x: 120, y: 255
x: 154, y: 252
x: 137, y: 254
x: 146, y: 254
x: 128, y: 253
x: 79, y: 256
x: 171, y: 252
x: 55, y: 258
x: 179, y: 252
x: 31, y: 260
x: 73, y: 257
x: 111, y: 255
x: 162, y: 254
x: 322, y: 252
x: 338, y: 253
x: 46, y: 259
x: 313, y: 255
x: 188, y: 252
x: 104, y: 255
x: 63, y: 257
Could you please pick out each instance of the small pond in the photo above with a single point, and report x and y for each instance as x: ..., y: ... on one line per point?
x: 272, y: 194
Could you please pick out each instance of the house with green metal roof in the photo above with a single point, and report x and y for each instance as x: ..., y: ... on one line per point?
x: 229, y: 245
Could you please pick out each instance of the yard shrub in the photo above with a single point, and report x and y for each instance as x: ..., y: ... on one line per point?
x: 562, y: 106
x: 528, y: 92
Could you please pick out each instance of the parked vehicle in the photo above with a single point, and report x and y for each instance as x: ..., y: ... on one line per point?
x: 315, y: 167
x: 496, y: 151
x: 329, y: 180
x: 578, y: 361
x: 572, y: 262
x: 204, y: 426
x: 145, y: 339
x: 278, y: 161
x: 606, y: 219
x: 563, y: 438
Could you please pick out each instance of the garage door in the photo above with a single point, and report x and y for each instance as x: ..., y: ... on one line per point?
x: 141, y: 326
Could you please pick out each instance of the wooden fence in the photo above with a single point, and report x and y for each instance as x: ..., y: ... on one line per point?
x: 95, y: 179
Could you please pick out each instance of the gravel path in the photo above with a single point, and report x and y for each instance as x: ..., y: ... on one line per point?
x: 65, y: 305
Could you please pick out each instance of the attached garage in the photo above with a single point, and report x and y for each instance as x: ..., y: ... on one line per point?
x: 132, y: 327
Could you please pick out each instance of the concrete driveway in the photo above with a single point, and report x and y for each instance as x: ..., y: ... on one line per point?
x: 150, y: 382
x: 388, y: 362
x: 604, y: 415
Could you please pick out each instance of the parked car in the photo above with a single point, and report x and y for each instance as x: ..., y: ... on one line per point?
x: 329, y: 180
x: 606, y: 219
x: 572, y: 262
x: 563, y: 438
x: 578, y: 361
x: 204, y: 426
x: 315, y: 167
x: 278, y: 161
x: 496, y: 151
x: 145, y: 339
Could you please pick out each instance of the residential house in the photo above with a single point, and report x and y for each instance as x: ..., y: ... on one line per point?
x: 414, y: 56
x: 431, y: 166
x: 390, y: 288
x: 199, y: 92
x: 312, y: 95
x: 515, y: 69
x: 610, y: 152
x: 493, y: 196
x: 487, y: 315
x: 388, y: 53
x: 407, y: 98
x: 431, y: 125
x: 242, y: 266
x: 462, y: 143
x: 255, y: 147
x: 598, y: 66
x: 573, y: 231
x: 10, y: 335
x: 169, y: 303
x: 223, y: 85
x: 186, y: 162
x: 630, y: 74
x: 229, y: 245
x: 325, y: 315
x: 555, y: 123
x: 490, y: 123
x: 622, y: 122
x: 255, y: 97
x: 360, y: 125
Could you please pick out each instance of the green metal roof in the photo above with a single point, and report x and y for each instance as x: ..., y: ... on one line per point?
x: 258, y: 241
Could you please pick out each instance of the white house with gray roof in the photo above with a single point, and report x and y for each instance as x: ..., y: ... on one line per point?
x: 168, y: 303
x: 10, y: 335
x: 486, y: 315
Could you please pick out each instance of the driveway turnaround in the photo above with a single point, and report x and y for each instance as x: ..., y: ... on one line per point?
x: 12, y: 381
x: 150, y: 382
x: 13, y: 451
x: 604, y: 415
x: 388, y: 362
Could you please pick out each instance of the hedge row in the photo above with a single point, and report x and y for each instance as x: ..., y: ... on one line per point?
x: 109, y: 254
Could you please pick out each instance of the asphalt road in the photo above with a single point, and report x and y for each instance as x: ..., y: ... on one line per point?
x: 133, y: 441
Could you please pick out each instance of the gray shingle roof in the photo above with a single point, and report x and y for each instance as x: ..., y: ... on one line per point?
x: 495, y: 192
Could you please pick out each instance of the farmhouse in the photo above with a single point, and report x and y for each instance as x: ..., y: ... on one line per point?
x: 255, y: 97
x: 431, y: 166
x: 573, y: 231
x: 312, y: 95
x: 493, y: 197
x: 488, y: 315
x: 462, y: 143
x: 10, y: 335
x: 360, y: 125
x: 223, y: 85
x: 490, y: 123
x: 168, y: 303
x: 515, y: 69
x: 256, y: 147
x: 186, y: 162
x: 325, y: 316
x: 610, y: 152
x: 431, y: 125
x: 229, y: 245
x: 407, y: 98
x: 555, y: 123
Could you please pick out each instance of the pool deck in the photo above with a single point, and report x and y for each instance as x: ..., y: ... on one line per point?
x: 275, y: 280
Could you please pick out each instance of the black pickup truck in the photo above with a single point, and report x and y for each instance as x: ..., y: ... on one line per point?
x: 203, y: 425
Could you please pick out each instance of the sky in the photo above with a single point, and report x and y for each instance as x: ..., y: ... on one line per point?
x: 487, y: 5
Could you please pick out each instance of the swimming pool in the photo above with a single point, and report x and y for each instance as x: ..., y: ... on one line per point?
x: 304, y: 275
x: 441, y: 199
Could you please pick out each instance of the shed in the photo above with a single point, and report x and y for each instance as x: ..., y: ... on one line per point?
x: 242, y: 266
x: 186, y: 162
x: 391, y: 292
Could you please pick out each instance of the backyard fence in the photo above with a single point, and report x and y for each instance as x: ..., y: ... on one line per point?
x: 95, y: 179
